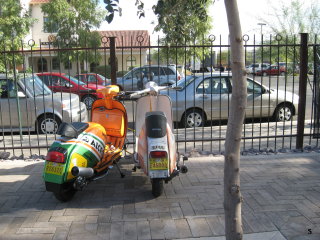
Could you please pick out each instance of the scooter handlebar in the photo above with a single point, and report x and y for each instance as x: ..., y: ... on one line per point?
x: 122, y: 96
x: 139, y: 92
x: 152, y: 88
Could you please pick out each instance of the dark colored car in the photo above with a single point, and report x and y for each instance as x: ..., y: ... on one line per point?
x: 272, y: 70
x: 60, y: 82
x: 93, y: 78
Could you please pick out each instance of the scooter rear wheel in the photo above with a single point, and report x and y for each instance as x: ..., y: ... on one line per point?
x: 157, y: 187
x: 65, y: 192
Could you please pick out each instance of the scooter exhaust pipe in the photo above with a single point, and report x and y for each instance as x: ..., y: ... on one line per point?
x: 82, y: 172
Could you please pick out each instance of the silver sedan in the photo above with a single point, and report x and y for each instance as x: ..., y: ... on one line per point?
x: 27, y: 104
x: 208, y: 97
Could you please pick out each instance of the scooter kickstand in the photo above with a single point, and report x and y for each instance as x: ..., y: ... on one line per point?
x: 121, y: 173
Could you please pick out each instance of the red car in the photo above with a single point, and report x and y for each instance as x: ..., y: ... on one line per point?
x: 93, y: 78
x: 60, y: 82
x: 272, y: 70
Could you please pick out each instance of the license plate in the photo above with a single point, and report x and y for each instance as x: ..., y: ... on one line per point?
x: 54, y: 168
x: 158, y: 163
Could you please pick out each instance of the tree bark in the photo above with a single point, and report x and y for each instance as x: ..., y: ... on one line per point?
x: 232, y: 194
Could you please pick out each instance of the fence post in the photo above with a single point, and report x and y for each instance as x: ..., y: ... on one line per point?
x: 316, y: 92
x: 113, y: 60
x: 302, y: 88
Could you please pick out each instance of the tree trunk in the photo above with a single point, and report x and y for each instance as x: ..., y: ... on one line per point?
x: 232, y: 194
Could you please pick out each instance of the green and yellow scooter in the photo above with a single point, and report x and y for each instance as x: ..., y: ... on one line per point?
x: 85, y: 152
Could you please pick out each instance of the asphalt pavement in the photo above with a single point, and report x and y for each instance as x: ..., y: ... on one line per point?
x: 281, y: 201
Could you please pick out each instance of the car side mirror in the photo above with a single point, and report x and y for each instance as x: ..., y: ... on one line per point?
x: 264, y: 90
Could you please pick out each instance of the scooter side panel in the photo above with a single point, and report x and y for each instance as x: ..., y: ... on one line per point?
x: 172, y: 149
x: 143, y: 150
x: 85, y: 151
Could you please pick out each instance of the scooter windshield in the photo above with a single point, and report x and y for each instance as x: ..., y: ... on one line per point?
x: 152, y: 103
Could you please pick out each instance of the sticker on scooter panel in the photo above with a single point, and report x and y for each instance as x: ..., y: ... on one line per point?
x: 157, y: 147
x: 91, y: 143
x: 54, y: 168
x: 157, y: 141
x: 94, y: 142
x: 76, y: 160
x: 158, y: 163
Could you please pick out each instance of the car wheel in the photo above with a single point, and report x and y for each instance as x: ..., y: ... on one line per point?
x: 283, y: 112
x: 265, y: 74
x: 282, y: 73
x: 48, y: 124
x: 193, y: 118
x: 88, y: 100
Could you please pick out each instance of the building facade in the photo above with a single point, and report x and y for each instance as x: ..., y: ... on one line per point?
x: 131, y: 47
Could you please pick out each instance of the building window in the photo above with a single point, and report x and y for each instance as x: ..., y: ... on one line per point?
x: 131, y: 62
x: 55, y: 64
x: 47, y: 28
x: 68, y: 65
x: 42, y: 65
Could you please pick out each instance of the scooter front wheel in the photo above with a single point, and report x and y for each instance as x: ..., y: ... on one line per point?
x: 157, y: 186
x: 65, y: 193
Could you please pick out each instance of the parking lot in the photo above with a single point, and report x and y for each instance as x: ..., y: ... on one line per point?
x: 259, y: 134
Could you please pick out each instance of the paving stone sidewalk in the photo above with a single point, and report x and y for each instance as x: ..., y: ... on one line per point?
x: 281, y: 201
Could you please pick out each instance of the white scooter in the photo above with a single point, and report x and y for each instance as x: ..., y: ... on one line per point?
x: 155, y: 150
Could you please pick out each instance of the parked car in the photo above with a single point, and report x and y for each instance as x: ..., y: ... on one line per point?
x: 60, y: 82
x: 208, y: 97
x: 40, y: 109
x: 93, y: 78
x: 272, y: 70
x: 138, y: 77
x: 253, y: 68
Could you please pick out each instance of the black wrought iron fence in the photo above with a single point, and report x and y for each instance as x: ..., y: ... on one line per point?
x: 43, y: 85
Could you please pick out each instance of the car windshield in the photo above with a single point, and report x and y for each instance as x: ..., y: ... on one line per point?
x: 185, y: 81
x: 130, y: 73
x: 102, y: 77
x: 35, y: 86
x: 74, y: 80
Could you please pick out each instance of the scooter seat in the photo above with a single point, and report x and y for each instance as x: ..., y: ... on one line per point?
x: 72, y: 130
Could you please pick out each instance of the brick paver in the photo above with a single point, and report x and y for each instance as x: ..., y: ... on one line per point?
x: 281, y: 196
